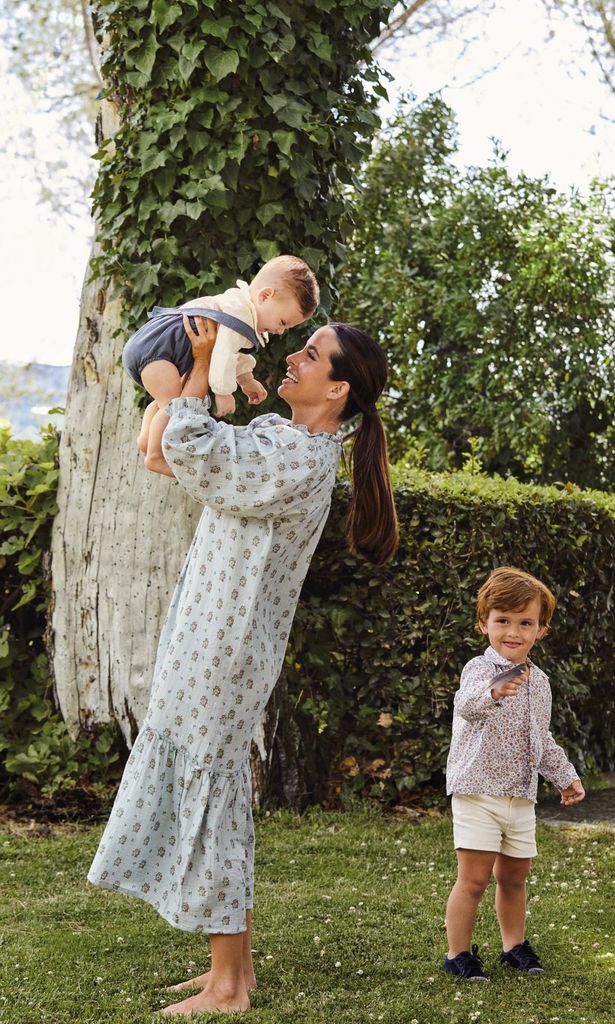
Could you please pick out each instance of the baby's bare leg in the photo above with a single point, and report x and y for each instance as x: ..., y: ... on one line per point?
x: 148, y: 416
x: 163, y: 382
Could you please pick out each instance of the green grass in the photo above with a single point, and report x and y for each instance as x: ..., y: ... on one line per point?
x: 348, y: 928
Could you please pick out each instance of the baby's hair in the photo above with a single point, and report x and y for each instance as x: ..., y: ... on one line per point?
x: 511, y: 589
x: 297, y: 277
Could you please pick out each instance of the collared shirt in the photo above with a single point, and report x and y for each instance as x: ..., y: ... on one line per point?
x: 500, y: 747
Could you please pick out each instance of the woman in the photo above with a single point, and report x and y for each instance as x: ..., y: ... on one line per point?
x: 180, y: 835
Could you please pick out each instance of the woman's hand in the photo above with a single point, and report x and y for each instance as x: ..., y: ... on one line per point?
x: 203, y: 339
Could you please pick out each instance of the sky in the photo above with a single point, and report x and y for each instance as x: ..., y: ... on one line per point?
x: 513, y: 75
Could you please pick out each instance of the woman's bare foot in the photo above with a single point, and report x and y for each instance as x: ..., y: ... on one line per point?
x: 203, y: 980
x: 223, y: 1000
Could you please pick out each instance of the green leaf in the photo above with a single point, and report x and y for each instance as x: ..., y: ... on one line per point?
x: 221, y: 63
x: 28, y: 594
x: 153, y: 159
x: 284, y: 140
x: 165, y: 14
x: 217, y: 27
x: 268, y: 211
x: 266, y: 249
x: 144, y: 59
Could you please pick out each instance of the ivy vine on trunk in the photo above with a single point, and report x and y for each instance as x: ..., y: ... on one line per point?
x: 229, y: 133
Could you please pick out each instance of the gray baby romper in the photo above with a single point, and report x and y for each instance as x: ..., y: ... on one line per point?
x: 180, y: 834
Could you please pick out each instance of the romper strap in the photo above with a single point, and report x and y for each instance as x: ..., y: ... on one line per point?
x: 220, y: 317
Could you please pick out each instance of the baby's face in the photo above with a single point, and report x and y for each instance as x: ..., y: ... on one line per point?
x: 277, y: 310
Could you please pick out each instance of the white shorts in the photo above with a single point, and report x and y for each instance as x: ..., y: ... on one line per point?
x: 501, y: 824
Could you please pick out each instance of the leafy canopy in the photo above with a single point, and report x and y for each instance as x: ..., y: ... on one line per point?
x: 492, y: 297
x: 239, y: 125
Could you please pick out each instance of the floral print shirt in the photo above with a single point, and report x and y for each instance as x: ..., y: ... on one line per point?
x: 499, y: 747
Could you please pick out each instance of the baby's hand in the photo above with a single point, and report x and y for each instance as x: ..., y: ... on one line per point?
x: 225, y: 405
x: 573, y: 794
x: 511, y: 686
x: 252, y: 388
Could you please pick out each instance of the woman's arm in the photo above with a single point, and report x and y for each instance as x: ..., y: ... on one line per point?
x: 203, y: 340
x: 196, y: 382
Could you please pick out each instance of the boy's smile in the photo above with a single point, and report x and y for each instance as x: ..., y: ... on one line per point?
x: 513, y: 633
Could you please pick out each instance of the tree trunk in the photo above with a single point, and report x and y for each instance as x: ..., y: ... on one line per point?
x: 119, y: 540
x: 120, y: 535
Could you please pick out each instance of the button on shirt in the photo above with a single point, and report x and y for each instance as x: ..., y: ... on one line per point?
x: 500, y: 747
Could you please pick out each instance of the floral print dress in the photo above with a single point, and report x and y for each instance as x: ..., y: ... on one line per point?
x: 180, y: 834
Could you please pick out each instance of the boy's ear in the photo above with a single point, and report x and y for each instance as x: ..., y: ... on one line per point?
x: 541, y: 632
x: 265, y: 293
x: 482, y: 625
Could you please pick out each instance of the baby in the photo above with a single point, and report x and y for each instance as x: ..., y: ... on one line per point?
x: 283, y: 294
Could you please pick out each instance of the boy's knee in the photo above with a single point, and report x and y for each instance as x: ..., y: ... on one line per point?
x: 475, y: 886
x: 511, y: 883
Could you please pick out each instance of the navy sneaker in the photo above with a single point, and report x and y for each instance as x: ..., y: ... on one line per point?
x: 466, y: 965
x: 523, y: 958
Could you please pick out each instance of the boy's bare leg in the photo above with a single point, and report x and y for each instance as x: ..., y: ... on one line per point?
x: 226, y: 989
x: 163, y: 382
x: 248, y: 967
x: 510, y: 897
x: 474, y: 869
x: 148, y: 416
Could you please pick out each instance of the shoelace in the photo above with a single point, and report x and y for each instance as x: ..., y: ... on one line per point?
x: 470, y: 962
x: 527, y: 957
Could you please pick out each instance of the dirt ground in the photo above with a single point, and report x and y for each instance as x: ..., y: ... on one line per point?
x: 598, y: 806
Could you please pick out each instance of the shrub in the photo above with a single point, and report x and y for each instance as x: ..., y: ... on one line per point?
x: 376, y: 655
x: 34, y: 743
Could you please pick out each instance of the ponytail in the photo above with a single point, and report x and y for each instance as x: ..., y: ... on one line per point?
x: 371, y: 527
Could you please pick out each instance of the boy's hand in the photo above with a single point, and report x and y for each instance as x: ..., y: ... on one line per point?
x: 225, y: 405
x: 510, y: 687
x: 204, y: 339
x: 572, y: 794
x: 252, y: 388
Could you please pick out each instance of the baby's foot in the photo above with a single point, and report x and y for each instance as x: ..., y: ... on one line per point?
x: 203, y: 980
x: 211, y: 999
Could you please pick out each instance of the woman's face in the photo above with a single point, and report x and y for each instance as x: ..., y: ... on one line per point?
x: 308, y: 381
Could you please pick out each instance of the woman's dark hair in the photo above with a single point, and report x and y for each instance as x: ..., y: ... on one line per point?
x: 371, y: 528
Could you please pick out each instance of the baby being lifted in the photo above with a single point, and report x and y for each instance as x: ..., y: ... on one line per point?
x: 283, y: 294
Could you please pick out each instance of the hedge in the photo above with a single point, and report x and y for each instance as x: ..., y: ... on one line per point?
x: 376, y: 655
x: 35, y: 748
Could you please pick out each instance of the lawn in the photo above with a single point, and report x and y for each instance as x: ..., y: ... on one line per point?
x: 348, y: 928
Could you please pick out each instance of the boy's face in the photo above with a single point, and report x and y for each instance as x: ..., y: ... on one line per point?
x: 277, y: 311
x: 513, y: 633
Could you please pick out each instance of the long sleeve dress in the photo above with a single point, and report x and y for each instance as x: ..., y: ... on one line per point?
x: 180, y: 834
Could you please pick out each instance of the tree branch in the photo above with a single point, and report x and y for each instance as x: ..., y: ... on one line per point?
x: 397, y: 24
x: 90, y: 41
